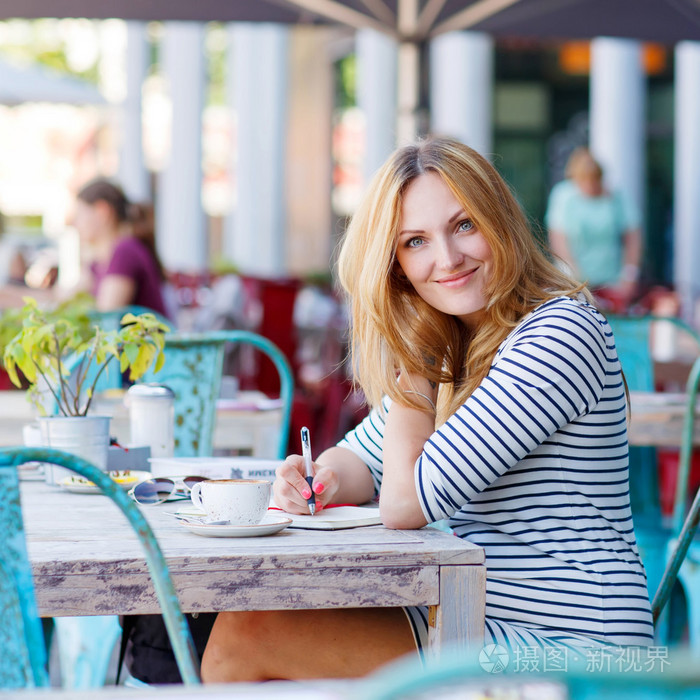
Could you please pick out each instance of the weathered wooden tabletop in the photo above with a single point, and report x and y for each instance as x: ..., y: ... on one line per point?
x: 87, y: 561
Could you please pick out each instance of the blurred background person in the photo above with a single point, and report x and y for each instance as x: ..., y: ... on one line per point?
x: 595, y: 232
x: 121, y: 265
x: 24, y: 274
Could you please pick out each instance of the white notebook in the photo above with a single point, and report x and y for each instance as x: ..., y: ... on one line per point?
x: 339, y: 518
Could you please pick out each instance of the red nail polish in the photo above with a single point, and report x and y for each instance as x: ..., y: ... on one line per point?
x: 318, y: 488
x: 306, y: 493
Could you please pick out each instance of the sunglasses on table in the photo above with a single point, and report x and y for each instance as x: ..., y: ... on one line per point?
x: 163, y: 488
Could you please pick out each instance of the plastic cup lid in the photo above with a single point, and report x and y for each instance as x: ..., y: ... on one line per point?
x: 151, y: 391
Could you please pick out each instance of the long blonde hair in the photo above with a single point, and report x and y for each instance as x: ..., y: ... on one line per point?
x: 393, y: 329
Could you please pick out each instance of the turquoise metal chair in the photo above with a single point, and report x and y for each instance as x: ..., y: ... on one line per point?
x: 633, y: 337
x: 683, y: 562
x: 85, y: 649
x: 193, y: 368
x: 23, y: 657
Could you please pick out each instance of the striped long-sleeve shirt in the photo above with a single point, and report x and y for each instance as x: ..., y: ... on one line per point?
x: 534, y: 468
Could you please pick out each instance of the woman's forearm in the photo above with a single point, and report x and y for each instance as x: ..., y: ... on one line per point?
x: 355, y: 484
x: 405, y: 434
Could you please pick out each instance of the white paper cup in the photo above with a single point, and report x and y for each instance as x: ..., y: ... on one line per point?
x: 240, y: 501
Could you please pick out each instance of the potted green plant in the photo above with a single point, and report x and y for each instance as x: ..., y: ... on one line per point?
x: 63, y: 359
x: 76, y: 308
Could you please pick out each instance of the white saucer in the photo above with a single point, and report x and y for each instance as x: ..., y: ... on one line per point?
x: 269, y: 526
x: 79, y: 484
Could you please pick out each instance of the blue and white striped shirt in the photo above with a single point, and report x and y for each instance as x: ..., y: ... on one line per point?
x: 534, y: 468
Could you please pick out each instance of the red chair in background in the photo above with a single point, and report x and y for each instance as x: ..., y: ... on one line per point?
x: 271, y: 307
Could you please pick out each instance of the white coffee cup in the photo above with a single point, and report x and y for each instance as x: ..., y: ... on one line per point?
x: 240, y: 501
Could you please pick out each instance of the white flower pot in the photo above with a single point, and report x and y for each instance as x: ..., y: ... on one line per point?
x: 84, y: 436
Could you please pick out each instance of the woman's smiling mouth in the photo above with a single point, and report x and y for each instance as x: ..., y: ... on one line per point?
x: 457, y: 280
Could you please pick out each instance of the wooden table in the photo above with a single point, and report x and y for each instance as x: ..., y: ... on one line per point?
x: 241, y: 431
x: 87, y: 561
x: 657, y: 419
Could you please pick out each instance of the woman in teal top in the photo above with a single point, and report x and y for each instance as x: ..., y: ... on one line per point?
x: 594, y: 231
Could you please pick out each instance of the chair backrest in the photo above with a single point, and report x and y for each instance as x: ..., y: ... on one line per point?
x: 684, y: 525
x: 23, y: 657
x: 275, y: 300
x: 632, y: 340
x: 634, y: 336
x: 192, y: 369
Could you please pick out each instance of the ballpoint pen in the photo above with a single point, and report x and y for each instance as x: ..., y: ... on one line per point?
x: 306, y: 453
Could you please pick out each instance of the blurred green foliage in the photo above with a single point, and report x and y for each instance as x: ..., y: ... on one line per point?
x: 346, y: 81
x: 75, y: 309
x: 39, y: 41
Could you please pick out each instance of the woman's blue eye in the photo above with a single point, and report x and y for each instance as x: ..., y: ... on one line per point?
x: 466, y: 225
x: 414, y: 242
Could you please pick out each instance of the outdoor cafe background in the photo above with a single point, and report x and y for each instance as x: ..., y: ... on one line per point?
x: 255, y: 142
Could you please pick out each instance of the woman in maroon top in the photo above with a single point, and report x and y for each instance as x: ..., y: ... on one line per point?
x: 124, y: 268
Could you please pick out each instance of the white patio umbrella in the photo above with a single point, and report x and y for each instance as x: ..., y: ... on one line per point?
x: 33, y: 83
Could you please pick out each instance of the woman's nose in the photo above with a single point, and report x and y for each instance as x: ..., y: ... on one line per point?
x: 448, y: 256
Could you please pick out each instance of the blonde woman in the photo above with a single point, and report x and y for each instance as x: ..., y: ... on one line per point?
x: 497, y: 404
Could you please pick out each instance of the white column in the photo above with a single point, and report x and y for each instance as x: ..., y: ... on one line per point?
x: 376, y: 95
x: 308, y: 169
x: 255, y: 232
x: 408, y: 73
x: 133, y: 174
x: 618, y: 115
x: 461, y: 88
x: 686, y: 219
x: 181, y: 232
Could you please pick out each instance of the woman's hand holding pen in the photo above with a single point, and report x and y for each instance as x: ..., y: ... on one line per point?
x: 291, y: 491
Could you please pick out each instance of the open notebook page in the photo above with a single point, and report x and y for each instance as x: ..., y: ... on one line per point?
x: 339, y: 518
